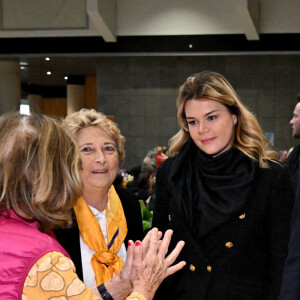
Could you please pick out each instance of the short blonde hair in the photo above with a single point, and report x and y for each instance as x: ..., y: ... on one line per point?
x: 39, y: 169
x: 249, y: 137
x: 89, y: 117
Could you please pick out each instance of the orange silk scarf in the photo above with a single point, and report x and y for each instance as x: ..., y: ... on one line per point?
x: 105, y: 262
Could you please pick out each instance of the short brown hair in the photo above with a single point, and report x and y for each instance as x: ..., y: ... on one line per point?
x: 39, y: 169
x: 89, y: 117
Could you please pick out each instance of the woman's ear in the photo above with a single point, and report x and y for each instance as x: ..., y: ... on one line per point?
x: 234, y: 118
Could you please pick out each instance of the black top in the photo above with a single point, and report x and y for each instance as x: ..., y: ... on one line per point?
x: 210, y: 190
x: 290, y: 289
x: 69, y: 238
x: 240, y: 258
x: 293, y: 162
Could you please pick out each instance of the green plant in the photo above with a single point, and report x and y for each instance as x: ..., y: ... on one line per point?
x: 147, y: 216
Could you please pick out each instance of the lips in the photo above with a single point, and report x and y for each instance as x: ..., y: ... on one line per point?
x: 100, y: 171
x: 207, y: 141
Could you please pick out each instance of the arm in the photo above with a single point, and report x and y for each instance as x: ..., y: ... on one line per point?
x: 53, y: 275
x: 281, y: 199
x: 290, y: 287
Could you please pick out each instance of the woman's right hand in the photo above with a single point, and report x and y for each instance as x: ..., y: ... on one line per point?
x: 150, y: 266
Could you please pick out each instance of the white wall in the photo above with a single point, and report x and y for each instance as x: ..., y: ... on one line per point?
x: 171, y: 17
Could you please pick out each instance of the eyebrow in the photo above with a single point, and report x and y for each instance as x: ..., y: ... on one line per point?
x: 85, y: 144
x: 90, y: 144
x: 110, y: 143
x: 210, y: 112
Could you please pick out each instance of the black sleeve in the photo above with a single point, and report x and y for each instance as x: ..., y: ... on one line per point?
x: 293, y: 163
x: 290, y: 288
x: 280, y: 205
x: 162, y: 197
x: 132, y: 213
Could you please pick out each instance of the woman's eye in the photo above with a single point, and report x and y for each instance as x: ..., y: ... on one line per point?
x: 86, y: 149
x: 193, y: 122
x: 109, y: 148
x: 212, y: 118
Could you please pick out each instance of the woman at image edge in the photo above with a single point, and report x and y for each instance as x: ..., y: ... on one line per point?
x: 224, y: 196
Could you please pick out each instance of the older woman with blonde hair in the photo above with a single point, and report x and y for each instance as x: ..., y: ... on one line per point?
x: 222, y: 192
x: 106, y: 216
x: 39, y: 185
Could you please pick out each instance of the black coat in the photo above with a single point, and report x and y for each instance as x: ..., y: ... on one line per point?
x: 290, y: 289
x: 69, y: 238
x: 293, y: 163
x: 242, y: 259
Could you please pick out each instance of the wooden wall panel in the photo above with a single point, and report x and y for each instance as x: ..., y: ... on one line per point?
x: 55, y: 107
x: 91, y: 92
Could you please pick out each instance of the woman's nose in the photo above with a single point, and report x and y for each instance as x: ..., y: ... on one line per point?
x: 100, y: 157
x: 202, y: 127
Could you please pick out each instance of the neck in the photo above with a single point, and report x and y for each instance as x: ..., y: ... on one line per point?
x: 96, y: 198
x: 227, y: 147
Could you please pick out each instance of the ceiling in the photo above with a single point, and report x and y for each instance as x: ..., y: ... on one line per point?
x: 75, y: 34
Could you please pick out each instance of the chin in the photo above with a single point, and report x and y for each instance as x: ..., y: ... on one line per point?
x: 215, y: 152
x: 211, y: 151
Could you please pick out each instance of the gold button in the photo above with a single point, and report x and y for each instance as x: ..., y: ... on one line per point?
x: 192, y: 268
x: 209, y: 268
x: 242, y: 216
x: 229, y: 245
x: 170, y: 218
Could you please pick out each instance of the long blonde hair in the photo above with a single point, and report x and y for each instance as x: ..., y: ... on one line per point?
x: 39, y: 169
x: 248, y: 138
x: 90, y: 117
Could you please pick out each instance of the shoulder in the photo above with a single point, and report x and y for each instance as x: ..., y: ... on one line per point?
x: 29, y: 237
x: 168, y: 162
x: 275, y: 172
x: 132, y: 211
x: 276, y: 167
x: 166, y: 165
x: 278, y: 176
x: 125, y: 194
x: 296, y: 149
x: 294, y: 155
x: 128, y: 199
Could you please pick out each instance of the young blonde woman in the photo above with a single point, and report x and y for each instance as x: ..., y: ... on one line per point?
x: 222, y: 193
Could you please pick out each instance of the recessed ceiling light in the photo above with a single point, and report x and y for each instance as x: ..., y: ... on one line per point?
x: 48, y: 73
x: 22, y: 68
x: 66, y: 77
x: 191, y: 45
x: 47, y: 58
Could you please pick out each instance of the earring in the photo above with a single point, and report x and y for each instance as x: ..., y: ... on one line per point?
x: 235, y: 121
